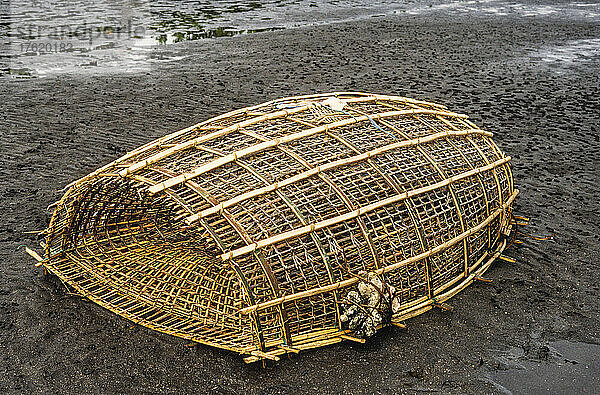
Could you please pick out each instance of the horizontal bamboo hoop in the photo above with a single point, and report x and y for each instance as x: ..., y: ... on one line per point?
x: 355, y: 213
x: 268, y: 144
x: 224, y: 131
x: 354, y: 280
x: 331, y: 165
x: 406, y: 313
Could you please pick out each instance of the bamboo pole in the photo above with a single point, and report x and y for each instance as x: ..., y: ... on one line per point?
x: 253, y: 149
x: 35, y: 255
x: 224, y: 131
x: 355, y: 213
x: 354, y: 339
x: 328, y: 166
x: 264, y: 355
x: 350, y: 281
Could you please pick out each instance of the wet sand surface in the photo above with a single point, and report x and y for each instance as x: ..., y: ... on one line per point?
x: 533, y: 81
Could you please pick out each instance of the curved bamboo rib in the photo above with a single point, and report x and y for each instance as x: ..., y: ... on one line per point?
x: 315, y: 239
x: 353, y: 280
x: 219, y: 243
x: 410, y: 207
x: 267, y: 270
x: 353, y: 214
x: 506, y: 169
x: 483, y: 193
x: 219, y: 133
x: 278, y: 141
x: 328, y: 166
x: 442, y: 173
x: 336, y: 94
x: 470, y: 164
x: 297, y: 213
x: 486, y: 160
x: 161, y: 140
x: 385, y: 177
x: 457, y: 206
x: 244, y: 235
x: 224, y: 131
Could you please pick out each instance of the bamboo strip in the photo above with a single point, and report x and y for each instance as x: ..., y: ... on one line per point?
x: 243, y: 280
x: 427, y: 305
x: 352, y: 338
x: 361, y: 224
x: 458, y: 208
x: 303, y: 221
x: 336, y: 94
x: 265, y: 355
x: 288, y: 348
x: 224, y: 131
x: 328, y: 166
x: 266, y: 267
x: 355, y: 213
x: 348, y: 282
x: 35, y: 256
x: 410, y: 207
x: 261, y: 146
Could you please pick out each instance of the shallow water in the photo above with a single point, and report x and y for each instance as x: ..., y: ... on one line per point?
x: 45, y: 37
x: 561, y: 367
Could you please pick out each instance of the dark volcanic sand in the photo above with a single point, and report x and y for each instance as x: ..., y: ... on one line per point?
x: 544, y: 113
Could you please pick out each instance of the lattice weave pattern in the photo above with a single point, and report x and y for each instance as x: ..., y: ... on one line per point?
x: 246, y: 231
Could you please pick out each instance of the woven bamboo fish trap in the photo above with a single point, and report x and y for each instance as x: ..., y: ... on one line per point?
x: 250, y: 231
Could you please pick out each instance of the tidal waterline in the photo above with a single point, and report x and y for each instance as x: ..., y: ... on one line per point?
x: 46, y: 37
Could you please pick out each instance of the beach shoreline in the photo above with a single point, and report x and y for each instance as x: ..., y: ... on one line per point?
x: 532, y: 81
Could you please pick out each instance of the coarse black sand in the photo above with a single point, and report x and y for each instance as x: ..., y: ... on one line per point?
x: 544, y: 112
